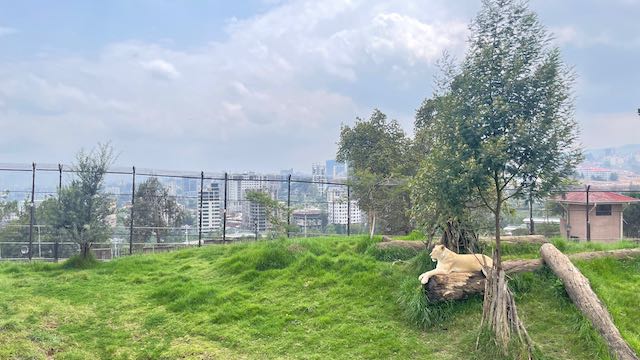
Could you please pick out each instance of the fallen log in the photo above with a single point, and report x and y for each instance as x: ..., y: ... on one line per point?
x: 458, y: 286
x: 580, y: 292
x: 405, y: 244
x: 524, y: 239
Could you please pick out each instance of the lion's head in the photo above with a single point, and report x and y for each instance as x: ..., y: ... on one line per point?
x: 437, y: 252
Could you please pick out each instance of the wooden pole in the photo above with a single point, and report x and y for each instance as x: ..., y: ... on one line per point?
x: 579, y: 290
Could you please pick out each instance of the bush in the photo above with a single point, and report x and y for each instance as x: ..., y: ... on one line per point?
x: 78, y: 262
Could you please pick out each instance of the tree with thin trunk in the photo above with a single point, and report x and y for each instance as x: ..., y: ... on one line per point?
x: 505, y: 125
x: 83, y: 207
x: 155, y: 211
x: 376, y: 152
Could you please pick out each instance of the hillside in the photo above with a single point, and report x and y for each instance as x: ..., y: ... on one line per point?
x: 323, y: 298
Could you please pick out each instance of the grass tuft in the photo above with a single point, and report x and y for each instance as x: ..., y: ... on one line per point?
x: 79, y: 262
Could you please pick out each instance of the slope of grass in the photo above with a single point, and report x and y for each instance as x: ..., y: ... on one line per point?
x: 322, y: 298
x: 617, y: 284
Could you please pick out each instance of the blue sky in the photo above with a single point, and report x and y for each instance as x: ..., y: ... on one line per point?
x: 265, y: 84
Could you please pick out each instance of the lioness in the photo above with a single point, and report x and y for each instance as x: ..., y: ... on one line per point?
x: 449, y: 262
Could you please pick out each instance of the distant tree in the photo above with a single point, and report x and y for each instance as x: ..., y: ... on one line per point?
x: 613, y: 177
x: 632, y: 218
x: 8, y: 208
x: 276, y: 213
x: 155, y: 211
x: 83, y: 208
x: 377, y: 152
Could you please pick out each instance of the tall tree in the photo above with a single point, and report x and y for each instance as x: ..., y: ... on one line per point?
x: 507, y: 125
x: 83, y: 207
x: 376, y: 151
x: 155, y: 211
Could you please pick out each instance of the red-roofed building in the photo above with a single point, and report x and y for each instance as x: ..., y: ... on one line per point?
x: 605, y: 214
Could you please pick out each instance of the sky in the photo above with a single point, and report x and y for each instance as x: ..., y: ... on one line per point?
x: 265, y: 85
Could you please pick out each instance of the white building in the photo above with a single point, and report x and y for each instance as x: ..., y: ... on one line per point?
x: 211, y: 209
x: 239, y: 184
x: 319, y: 175
x: 338, y: 207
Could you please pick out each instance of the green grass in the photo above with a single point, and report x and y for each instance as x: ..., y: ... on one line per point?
x: 321, y: 298
x: 617, y: 284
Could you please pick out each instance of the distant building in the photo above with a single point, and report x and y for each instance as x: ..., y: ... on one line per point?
x: 308, y: 220
x: 336, y: 170
x: 238, y: 185
x: 595, y: 173
x: 319, y: 175
x: 254, y: 215
x: 211, y: 209
x: 605, y: 215
x: 338, y: 207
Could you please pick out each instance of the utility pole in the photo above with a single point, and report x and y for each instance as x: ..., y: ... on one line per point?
x: 587, y: 214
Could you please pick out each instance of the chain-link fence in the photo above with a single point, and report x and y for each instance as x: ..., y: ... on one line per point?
x: 155, y: 211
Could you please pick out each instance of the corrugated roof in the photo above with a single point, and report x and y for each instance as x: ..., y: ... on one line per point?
x: 580, y: 197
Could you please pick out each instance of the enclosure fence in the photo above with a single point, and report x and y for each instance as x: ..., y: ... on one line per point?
x: 213, y: 208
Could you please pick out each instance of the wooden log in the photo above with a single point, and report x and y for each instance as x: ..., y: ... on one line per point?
x: 579, y: 290
x: 405, y: 244
x: 458, y: 286
x: 524, y: 239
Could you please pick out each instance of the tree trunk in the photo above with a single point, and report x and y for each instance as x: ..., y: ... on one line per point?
x: 373, y: 225
x: 458, y: 286
x: 579, y: 290
x: 458, y: 239
x: 84, y: 248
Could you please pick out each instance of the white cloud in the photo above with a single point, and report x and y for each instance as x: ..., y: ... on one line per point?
x: 7, y: 31
x: 269, y: 90
x: 161, y: 69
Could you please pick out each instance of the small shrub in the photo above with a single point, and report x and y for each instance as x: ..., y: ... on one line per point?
x: 274, y: 256
x: 392, y: 253
x: 78, y: 262
x: 419, y: 312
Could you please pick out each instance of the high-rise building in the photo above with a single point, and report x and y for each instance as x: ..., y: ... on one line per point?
x: 211, y: 209
x: 254, y: 215
x: 338, y: 207
x: 239, y: 184
x: 336, y: 170
x: 319, y: 176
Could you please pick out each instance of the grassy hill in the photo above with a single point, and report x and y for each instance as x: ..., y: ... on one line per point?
x: 323, y: 298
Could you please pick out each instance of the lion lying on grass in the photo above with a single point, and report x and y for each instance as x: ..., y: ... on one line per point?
x: 449, y: 262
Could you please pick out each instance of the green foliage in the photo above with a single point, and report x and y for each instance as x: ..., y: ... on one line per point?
x: 299, y: 298
x: 392, y: 253
x: 501, y: 124
x: 80, y: 262
x: 154, y: 210
x: 632, y: 218
x: 377, y: 153
x: 82, y: 208
x: 276, y: 213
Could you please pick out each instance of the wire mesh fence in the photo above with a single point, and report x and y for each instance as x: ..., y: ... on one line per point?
x: 154, y: 210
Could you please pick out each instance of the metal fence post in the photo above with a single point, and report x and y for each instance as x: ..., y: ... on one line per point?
x: 224, y: 211
x: 200, y: 208
x: 531, y: 225
x: 588, y: 223
x: 32, y: 207
x: 133, y: 202
x: 288, y: 205
x: 56, y: 245
x: 348, y: 210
